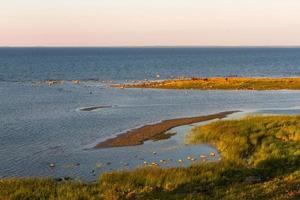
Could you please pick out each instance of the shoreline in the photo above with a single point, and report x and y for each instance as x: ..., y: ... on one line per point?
x: 155, y: 131
x: 247, y: 170
x: 220, y: 83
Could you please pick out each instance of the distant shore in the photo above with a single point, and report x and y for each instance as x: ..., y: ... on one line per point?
x: 221, y: 83
x: 155, y: 131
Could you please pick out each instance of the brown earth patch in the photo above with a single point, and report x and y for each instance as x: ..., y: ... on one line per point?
x: 154, y: 131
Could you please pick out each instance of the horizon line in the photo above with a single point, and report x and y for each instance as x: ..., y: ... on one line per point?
x: 155, y: 46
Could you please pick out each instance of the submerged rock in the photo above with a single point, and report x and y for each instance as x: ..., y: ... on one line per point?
x: 59, y: 179
x: 52, y: 165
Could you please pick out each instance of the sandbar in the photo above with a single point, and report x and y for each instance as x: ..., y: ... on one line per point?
x: 154, y: 131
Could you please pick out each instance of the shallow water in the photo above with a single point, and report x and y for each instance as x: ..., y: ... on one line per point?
x: 41, y: 125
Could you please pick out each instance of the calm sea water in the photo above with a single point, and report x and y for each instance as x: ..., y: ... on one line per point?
x: 19, y: 64
x: 41, y: 125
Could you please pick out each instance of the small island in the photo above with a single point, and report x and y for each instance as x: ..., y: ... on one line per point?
x: 221, y: 83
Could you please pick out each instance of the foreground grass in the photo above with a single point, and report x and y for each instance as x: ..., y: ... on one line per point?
x: 260, y: 160
x: 222, y: 83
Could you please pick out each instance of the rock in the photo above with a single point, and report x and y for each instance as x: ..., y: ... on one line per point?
x: 67, y: 178
x: 50, y: 83
x: 58, y: 179
x: 252, y: 179
x: 98, y: 165
x: 189, y: 158
x: 75, y: 81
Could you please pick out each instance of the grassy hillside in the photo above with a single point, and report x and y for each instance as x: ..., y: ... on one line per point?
x: 260, y: 160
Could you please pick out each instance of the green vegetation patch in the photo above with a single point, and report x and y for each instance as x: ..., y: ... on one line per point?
x: 260, y: 160
x: 252, y: 140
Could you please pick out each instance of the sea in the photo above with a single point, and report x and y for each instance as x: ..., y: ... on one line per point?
x: 44, y: 132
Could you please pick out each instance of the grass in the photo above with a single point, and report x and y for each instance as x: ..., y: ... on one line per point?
x: 260, y: 160
x: 252, y: 139
x: 222, y: 83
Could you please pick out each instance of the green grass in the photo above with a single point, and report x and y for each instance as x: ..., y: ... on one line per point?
x: 34, y: 189
x: 252, y: 140
x: 265, y: 149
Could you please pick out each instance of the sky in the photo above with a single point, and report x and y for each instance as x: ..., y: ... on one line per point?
x: 150, y: 23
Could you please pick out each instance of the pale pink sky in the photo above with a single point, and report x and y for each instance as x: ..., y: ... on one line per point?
x: 149, y: 22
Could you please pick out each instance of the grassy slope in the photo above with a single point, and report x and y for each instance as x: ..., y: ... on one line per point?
x: 267, y: 149
x: 236, y: 83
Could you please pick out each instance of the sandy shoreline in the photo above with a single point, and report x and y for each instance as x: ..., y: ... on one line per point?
x: 221, y: 83
x: 151, y: 132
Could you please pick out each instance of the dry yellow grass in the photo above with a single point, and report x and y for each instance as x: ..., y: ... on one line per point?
x: 222, y: 83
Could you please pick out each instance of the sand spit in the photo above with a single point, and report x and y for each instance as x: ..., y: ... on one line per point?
x: 153, y: 131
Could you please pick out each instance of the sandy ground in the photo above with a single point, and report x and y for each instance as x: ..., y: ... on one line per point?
x: 154, y: 131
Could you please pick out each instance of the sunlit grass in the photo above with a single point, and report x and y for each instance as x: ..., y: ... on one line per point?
x: 253, y: 139
x: 260, y: 160
x: 223, y: 83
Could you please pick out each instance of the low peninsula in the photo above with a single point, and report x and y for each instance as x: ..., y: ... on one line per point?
x: 220, y: 83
